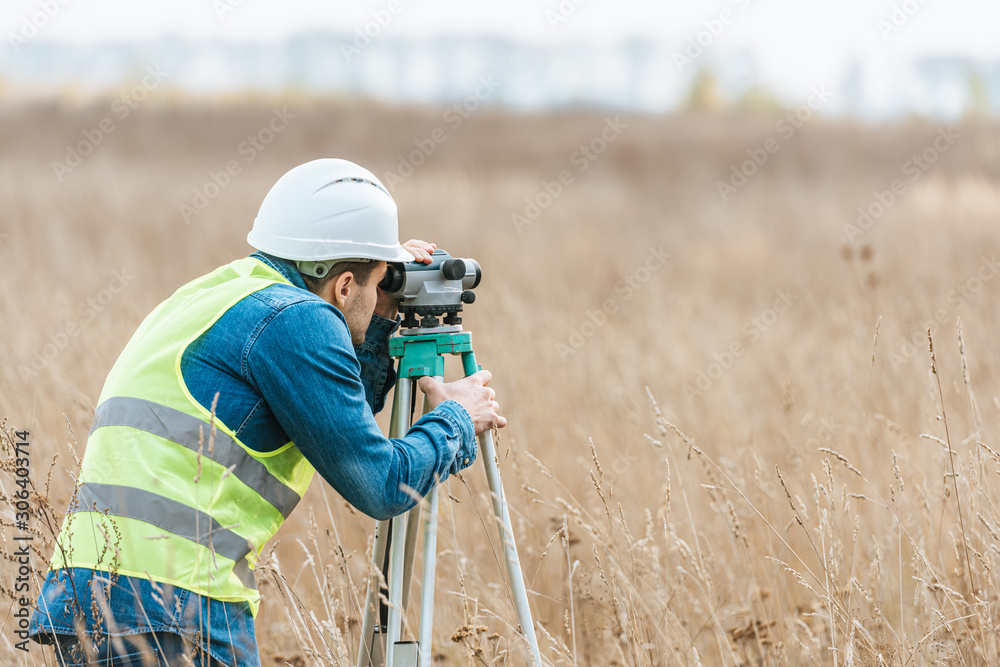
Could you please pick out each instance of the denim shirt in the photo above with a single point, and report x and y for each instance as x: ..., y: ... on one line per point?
x: 283, y: 365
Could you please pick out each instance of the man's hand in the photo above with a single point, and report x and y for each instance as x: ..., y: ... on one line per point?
x: 472, y: 393
x: 420, y: 250
x: 386, y: 306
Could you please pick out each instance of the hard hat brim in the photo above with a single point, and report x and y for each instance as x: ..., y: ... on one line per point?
x: 320, y: 250
x: 402, y: 256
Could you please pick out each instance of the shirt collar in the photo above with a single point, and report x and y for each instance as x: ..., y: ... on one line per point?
x: 283, y: 266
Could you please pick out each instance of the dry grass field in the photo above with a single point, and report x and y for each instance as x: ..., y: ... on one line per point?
x: 712, y: 457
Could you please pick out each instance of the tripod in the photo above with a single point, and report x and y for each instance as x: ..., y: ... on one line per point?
x: 421, y: 352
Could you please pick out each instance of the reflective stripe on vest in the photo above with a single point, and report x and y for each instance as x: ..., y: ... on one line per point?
x: 170, y: 515
x: 186, y: 430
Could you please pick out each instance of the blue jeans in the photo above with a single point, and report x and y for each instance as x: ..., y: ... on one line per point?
x: 153, y: 648
x: 123, y: 608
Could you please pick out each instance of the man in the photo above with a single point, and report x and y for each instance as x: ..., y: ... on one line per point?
x: 213, y: 419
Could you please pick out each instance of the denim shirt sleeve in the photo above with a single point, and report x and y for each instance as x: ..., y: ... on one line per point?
x: 304, y: 365
x: 377, y: 372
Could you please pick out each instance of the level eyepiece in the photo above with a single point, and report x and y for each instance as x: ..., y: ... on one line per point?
x: 394, y: 279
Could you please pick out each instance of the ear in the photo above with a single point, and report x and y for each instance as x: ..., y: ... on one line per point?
x: 339, y: 290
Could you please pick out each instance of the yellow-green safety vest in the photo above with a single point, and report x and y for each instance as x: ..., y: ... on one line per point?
x: 162, y: 497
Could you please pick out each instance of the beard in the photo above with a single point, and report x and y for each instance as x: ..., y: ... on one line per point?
x: 358, y: 316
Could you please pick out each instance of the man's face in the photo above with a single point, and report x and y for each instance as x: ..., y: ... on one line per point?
x: 360, y: 304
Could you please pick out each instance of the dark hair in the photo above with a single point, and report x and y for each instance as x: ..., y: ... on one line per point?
x: 362, y: 273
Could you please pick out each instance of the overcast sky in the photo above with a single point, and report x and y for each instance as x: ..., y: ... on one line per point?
x: 795, y: 42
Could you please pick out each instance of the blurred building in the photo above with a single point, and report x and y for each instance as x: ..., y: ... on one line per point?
x: 635, y: 74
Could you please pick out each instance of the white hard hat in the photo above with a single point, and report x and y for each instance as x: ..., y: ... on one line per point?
x: 328, y: 209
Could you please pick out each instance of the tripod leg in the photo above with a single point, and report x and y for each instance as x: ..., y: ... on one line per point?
x: 427, y: 579
x: 514, y: 575
x: 427, y: 576
x: 412, y: 526
x: 367, y: 653
x: 395, y: 580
